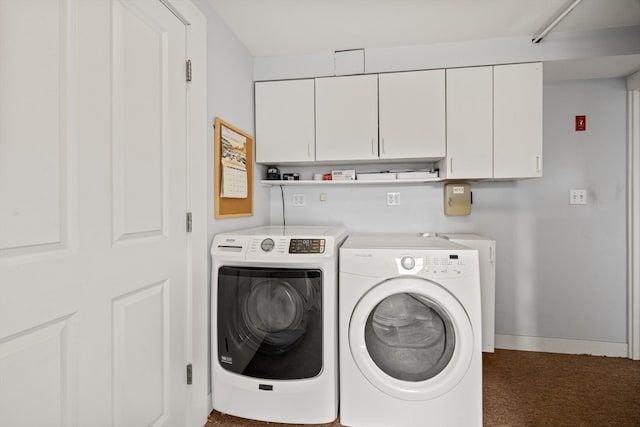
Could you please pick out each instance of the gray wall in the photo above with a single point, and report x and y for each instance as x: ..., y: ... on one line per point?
x: 576, y: 286
x: 561, y: 269
x: 555, y: 47
x: 230, y: 97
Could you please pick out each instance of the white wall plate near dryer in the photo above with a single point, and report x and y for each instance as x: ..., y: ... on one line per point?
x: 410, y: 333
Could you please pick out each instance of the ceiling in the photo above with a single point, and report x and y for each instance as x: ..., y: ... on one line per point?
x: 297, y: 27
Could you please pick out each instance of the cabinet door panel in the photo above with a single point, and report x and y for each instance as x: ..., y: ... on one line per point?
x: 285, y: 129
x: 412, y: 115
x: 517, y: 137
x: 470, y: 123
x: 347, y: 118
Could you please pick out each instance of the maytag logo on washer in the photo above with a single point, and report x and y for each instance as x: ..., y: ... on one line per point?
x: 226, y: 359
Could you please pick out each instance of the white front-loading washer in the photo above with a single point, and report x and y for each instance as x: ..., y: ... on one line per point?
x: 410, y: 333
x: 274, y: 323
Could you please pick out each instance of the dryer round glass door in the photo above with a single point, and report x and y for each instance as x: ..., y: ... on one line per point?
x: 411, y: 338
x: 269, y: 322
x: 273, y: 315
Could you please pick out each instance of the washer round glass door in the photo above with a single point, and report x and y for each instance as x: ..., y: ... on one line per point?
x: 411, y: 338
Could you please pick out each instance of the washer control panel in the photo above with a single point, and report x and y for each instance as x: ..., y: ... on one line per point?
x: 408, y: 262
x: 449, y: 265
x: 306, y: 246
x: 434, y: 264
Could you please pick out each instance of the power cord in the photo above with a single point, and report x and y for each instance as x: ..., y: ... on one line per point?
x: 284, y: 221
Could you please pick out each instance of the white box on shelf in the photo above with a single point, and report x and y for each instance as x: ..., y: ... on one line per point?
x: 343, y: 175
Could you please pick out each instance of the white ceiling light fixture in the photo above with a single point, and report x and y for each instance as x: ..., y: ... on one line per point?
x: 546, y: 30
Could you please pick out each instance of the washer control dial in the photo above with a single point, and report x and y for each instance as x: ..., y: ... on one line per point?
x: 408, y: 262
x: 267, y: 245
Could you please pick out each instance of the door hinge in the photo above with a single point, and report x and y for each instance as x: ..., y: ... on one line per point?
x: 189, y: 222
x: 188, y: 70
x: 189, y: 374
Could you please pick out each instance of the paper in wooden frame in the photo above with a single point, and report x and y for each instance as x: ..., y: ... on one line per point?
x: 232, y: 200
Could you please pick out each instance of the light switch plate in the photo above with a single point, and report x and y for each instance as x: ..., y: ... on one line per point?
x: 577, y: 197
x: 393, y: 199
x: 299, y: 200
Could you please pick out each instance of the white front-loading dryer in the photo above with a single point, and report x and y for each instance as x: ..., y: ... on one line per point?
x: 274, y: 323
x: 410, y: 333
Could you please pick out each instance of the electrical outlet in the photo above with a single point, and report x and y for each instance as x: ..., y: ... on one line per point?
x: 299, y: 200
x: 393, y: 199
x: 577, y: 197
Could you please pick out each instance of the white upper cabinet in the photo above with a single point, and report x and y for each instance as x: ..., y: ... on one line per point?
x: 412, y: 115
x: 285, y: 129
x: 494, y: 122
x: 469, y: 123
x: 517, y: 106
x: 476, y: 122
x: 347, y: 118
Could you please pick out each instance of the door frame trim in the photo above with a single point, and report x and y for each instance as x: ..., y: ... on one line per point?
x: 198, y: 407
x: 633, y: 216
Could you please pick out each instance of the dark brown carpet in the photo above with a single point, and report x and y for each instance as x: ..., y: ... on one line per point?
x: 540, y: 389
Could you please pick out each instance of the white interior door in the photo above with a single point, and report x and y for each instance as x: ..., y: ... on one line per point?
x: 93, y: 246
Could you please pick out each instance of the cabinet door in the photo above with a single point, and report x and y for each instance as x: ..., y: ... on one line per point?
x: 347, y: 118
x: 412, y: 115
x: 285, y: 129
x: 469, y: 123
x: 517, y: 139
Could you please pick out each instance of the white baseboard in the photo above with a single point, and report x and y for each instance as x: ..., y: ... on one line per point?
x: 558, y: 345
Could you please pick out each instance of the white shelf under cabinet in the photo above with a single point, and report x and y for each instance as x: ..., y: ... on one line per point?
x: 350, y: 182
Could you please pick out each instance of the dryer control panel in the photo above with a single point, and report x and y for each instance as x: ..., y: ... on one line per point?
x: 284, y: 245
x: 306, y: 246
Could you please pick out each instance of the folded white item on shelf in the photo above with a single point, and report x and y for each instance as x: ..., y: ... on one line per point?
x: 417, y: 174
x: 375, y: 176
